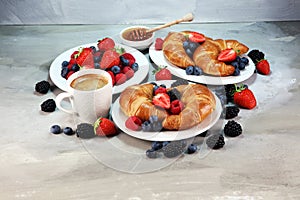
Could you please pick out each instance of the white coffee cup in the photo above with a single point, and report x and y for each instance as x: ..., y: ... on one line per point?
x: 89, y: 99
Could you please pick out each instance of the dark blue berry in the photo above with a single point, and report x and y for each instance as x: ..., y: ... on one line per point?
x: 242, y: 66
x: 235, y: 64
x: 153, y: 83
x: 153, y: 118
x: 236, y: 72
x: 163, y: 85
x: 156, y: 126
x: 64, y: 72
x: 135, y: 66
x: 192, y: 148
x: 93, y: 48
x: 75, y: 68
x: 115, y: 69
x: 97, y: 59
x: 55, y: 129
x: 146, y: 126
x: 245, y: 60
x: 124, y: 61
x: 97, y: 65
x: 155, y: 88
x: 65, y: 64
x: 189, y: 70
x: 156, y: 145
x: 150, y: 153
x: 238, y: 59
x: 68, y: 131
x: 165, y: 143
x: 189, y: 52
x: 185, y: 44
x: 193, y: 46
x: 197, y: 71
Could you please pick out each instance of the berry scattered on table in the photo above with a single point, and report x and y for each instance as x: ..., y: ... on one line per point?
x: 244, y: 97
x: 231, y: 111
x: 256, y: 55
x: 174, y: 148
x: 104, y: 127
x: 232, y: 129
x: 42, y: 87
x: 156, y: 145
x: 151, y: 153
x: 55, y: 129
x: 192, y: 148
x: 162, y: 74
x: 85, y: 131
x: 48, y: 106
x: 263, y: 67
x: 68, y: 131
x: 215, y: 141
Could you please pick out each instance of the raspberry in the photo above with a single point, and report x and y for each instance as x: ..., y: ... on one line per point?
x: 179, y: 82
x: 231, y: 112
x: 215, y: 141
x: 42, y: 87
x: 85, y: 131
x: 48, y: 105
x: 174, y: 148
x: 232, y: 129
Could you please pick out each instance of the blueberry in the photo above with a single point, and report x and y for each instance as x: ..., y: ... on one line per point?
x: 163, y: 85
x: 93, y: 48
x: 189, y: 70
x: 65, y: 63
x: 153, y: 83
x: 68, y: 131
x: 192, y: 148
x: 185, y: 44
x: 156, y: 145
x: 115, y: 69
x: 153, y: 118
x: 165, y: 143
x: 75, y: 68
x: 193, y: 46
x: 236, y: 72
x: 242, y: 66
x: 156, y: 126
x: 155, y: 88
x: 124, y: 61
x: 245, y: 60
x: 197, y: 71
x: 238, y: 59
x: 97, y: 59
x: 97, y: 65
x: 235, y: 64
x: 146, y: 126
x: 64, y: 72
x: 189, y: 52
x: 135, y: 66
x: 150, y: 153
x: 55, y: 129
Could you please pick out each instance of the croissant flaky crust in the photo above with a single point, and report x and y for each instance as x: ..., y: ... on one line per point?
x: 198, y: 102
x: 205, y: 56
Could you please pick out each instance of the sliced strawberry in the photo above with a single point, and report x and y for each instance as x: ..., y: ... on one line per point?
x: 109, y: 59
x: 134, y: 123
x: 160, y: 90
x: 227, y: 55
x: 158, y: 44
x: 162, y: 74
x: 162, y: 100
x: 120, y: 78
x: 129, y: 57
x: 263, y: 67
x: 104, y: 127
x: 106, y: 44
x: 196, y: 37
x: 128, y: 72
x: 176, y: 107
x: 85, y: 58
x: 244, y: 97
x: 73, y: 54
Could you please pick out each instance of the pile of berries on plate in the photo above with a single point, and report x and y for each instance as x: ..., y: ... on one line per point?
x: 107, y: 56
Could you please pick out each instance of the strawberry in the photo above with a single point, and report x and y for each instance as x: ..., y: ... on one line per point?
x: 134, y: 123
x: 196, y: 37
x: 84, y: 57
x: 112, y: 75
x: 109, y: 59
x: 129, y: 57
x: 73, y: 54
x: 104, y: 127
x: 128, y: 72
x: 162, y: 100
x: 244, y: 97
x: 120, y: 78
x: 106, y: 44
x: 227, y: 55
x: 176, y: 107
x: 162, y: 74
x: 263, y: 67
x: 160, y: 90
x: 69, y: 74
x: 158, y: 44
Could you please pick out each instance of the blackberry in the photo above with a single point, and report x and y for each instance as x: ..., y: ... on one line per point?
x: 174, y: 148
x: 232, y: 129
x: 174, y: 94
x: 231, y: 112
x: 68, y: 131
x: 48, y: 105
x: 229, y: 91
x: 203, y: 134
x: 215, y: 141
x: 256, y: 55
x: 42, y: 87
x: 85, y: 131
x: 179, y: 82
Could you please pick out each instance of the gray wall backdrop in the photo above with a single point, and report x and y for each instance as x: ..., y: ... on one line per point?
x: 144, y: 11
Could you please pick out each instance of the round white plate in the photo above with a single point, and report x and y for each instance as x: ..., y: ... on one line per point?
x: 138, y: 77
x: 119, y: 118
x: 159, y: 59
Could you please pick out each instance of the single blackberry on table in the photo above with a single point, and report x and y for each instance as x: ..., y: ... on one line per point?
x: 48, y: 105
x: 231, y: 111
x: 68, y: 131
x: 174, y: 148
x: 229, y: 91
x: 256, y: 55
x: 85, y: 131
x: 42, y: 87
x: 232, y: 129
x: 179, y: 82
x: 215, y: 141
x: 55, y: 129
x: 174, y: 94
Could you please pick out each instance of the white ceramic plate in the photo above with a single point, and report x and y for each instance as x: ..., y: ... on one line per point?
x: 119, y: 118
x: 138, y: 77
x: 159, y: 59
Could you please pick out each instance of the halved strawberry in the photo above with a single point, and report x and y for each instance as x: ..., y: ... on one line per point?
x: 160, y: 90
x: 106, y: 44
x: 134, y: 123
x: 227, y: 55
x: 109, y: 59
x: 84, y: 57
x: 162, y: 100
x: 176, y: 107
x: 196, y: 37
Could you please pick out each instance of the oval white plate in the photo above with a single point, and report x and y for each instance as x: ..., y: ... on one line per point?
x: 139, y: 76
x: 159, y: 59
x: 119, y: 118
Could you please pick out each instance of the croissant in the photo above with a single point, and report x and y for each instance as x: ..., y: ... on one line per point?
x: 198, y: 100
x: 174, y: 52
x: 206, y: 56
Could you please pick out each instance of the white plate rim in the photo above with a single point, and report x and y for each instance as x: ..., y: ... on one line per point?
x: 139, y: 76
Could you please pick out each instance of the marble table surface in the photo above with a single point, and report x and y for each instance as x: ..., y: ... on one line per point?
x: 262, y: 163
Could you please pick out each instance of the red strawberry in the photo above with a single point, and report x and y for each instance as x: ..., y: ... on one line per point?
x: 263, y: 67
x: 176, y: 107
x: 160, y: 90
x: 227, y: 55
x: 129, y: 57
x: 85, y: 58
x: 134, y: 123
x: 112, y: 77
x: 244, y: 97
x: 104, y: 127
x: 128, y: 72
x: 196, y: 37
x: 162, y: 100
x: 158, y: 44
x: 69, y: 74
x: 73, y: 54
x: 120, y: 78
x: 106, y: 44
x: 109, y: 59
x: 162, y: 74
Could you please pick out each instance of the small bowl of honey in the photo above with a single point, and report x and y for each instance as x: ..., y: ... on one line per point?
x: 137, y: 37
